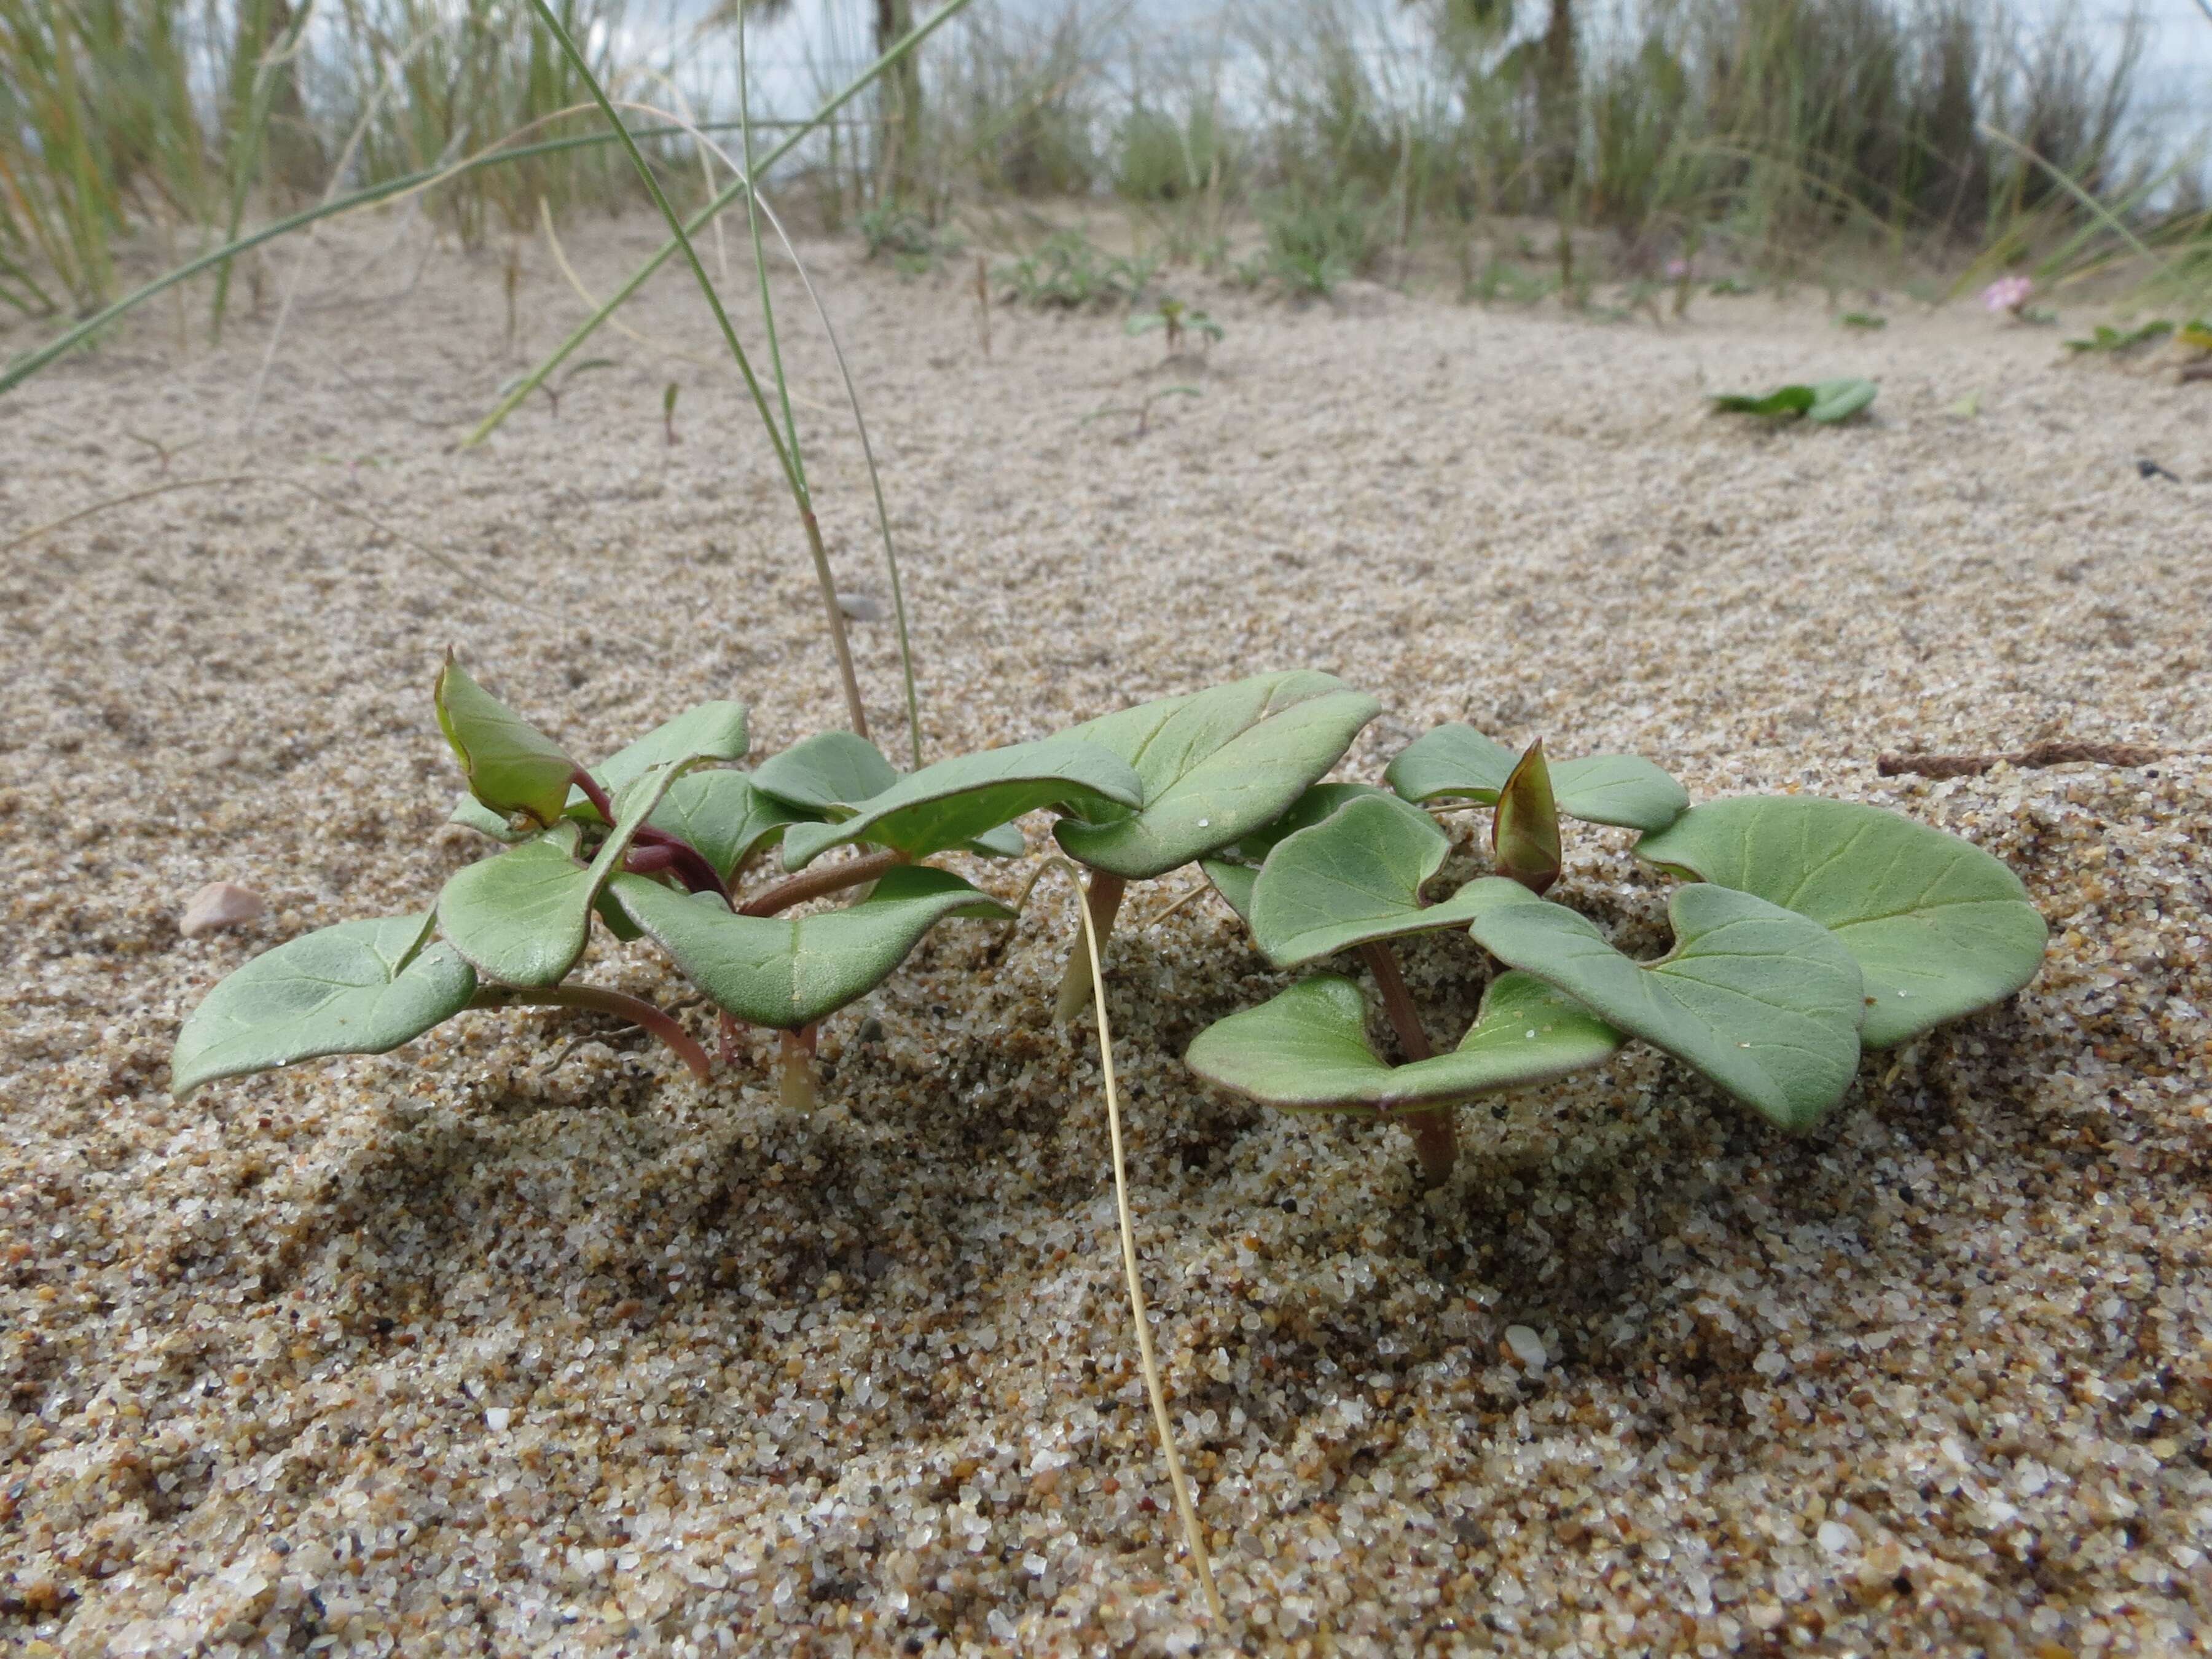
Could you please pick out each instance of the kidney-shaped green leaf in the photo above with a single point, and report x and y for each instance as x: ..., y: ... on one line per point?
x: 1237, y: 867
x: 1783, y: 403
x: 1352, y: 878
x: 1307, y: 1049
x: 707, y: 730
x: 360, y: 987
x: 1762, y: 1000
x: 523, y: 917
x: 721, y: 816
x: 1457, y: 761
x: 1939, y: 927
x: 955, y: 801
x: 1216, y: 765
x: 830, y: 774
x: 1839, y: 400
x: 511, y: 766
x: 1824, y: 401
x: 789, y: 971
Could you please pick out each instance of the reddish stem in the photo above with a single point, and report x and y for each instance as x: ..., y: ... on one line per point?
x: 601, y: 1000
x: 1434, y: 1138
x: 590, y: 785
x: 1397, y: 1002
x: 823, y: 879
x: 689, y: 865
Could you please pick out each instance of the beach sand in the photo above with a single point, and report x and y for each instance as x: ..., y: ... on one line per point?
x: 519, y: 1341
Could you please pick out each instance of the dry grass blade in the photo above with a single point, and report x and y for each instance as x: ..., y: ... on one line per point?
x: 1186, y: 1511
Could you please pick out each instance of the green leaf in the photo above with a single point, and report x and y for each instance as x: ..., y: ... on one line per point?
x: 1317, y: 805
x: 523, y: 917
x: 789, y: 971
x: 1307, y: 1049
x: 474, y: 814
x: 723, y: 817
x: 1458, y: 761
x: 360, y: 987
x: 828, y: 773
x: 1353, y: 878
x: 1839, y: 400
x: 1524, y: 834
x: 1237, y: 867
x: 1824, y: 401
x: 707, y: 730
x: 1783, y: 403
x: 1216, y: 765
x: 1938, y: 926
x: 1007, y: 841
x: 1235, y: 883
x: 512, y: 766
x: 2104, y: 339
x: 1763, y: 1001
x: 955, y: 800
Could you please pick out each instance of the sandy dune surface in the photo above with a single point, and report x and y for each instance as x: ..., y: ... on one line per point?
x: 519, y: 1341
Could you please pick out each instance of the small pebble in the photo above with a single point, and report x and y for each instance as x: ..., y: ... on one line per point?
x: 861, y: 607
x: 218, y: 905
x: 1527, y: 1348
x: 1837, y: 1539
x: 496, y: 1419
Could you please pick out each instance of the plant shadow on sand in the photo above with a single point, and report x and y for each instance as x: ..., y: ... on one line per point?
x: 1578, y: 1209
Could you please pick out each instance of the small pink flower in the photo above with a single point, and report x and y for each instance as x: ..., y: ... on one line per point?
x: 1677, y: 269
x: 2007, y: 293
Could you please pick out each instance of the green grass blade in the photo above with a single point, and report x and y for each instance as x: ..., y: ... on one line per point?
x: 426, y: 178
x: 529, y: 382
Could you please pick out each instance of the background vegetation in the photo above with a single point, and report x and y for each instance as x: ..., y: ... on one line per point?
x: 1518, y: 145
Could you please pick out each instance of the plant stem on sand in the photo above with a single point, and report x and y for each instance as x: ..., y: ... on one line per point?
x: 1434, y: 1139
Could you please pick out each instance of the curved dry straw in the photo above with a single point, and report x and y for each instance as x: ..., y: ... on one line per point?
x: 1186, y: 1511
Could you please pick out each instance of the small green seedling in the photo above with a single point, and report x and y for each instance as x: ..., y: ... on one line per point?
x: 653, y: 845
x: 1177, y: 319
x: 668, y: 412
x: 1814, y: 929
x: 2114, y: 342
x: 1070, y: 271
x: 1826, y: 402
x: 1867, y: 321
x: 1143, y: 409
x: 916, y: 246
x: 1731, y: 287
